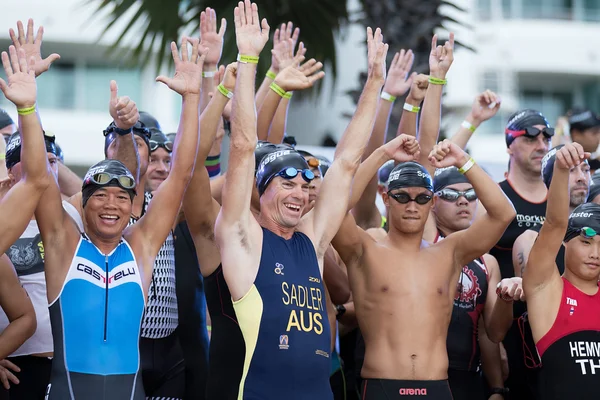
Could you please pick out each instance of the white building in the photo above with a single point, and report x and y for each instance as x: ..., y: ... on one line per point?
x: 540, y: 54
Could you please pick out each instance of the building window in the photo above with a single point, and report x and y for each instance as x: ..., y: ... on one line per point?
x: 56, y: 88
x: 96, y: 80
x: 552, y: 104
x: 484, y: 9
x: 489, y: 81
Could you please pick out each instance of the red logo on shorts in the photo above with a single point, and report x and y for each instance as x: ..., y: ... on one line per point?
x: 413, y: 392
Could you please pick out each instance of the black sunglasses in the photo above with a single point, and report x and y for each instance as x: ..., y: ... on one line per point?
x: 404, y: 198
x: 154, y: 145
x: 453, y: 195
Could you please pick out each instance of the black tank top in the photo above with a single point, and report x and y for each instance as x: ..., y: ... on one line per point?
x: 227, y: 347
x: 462, y: 341
x: 528, y: 216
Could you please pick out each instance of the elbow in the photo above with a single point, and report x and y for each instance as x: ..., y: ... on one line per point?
x: 30, y: 324
x: 496, y: 334
x: 243, y: 143
x: 41, y: 182
x: 349, y: 163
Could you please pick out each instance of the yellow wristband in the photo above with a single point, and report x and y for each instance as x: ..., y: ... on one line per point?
x: 468, y: 165
x: 467, y: 125
x: 388, y: 97
x: 411, y: 108
x: 277, y: 89
x: 209, y: 328
x: 26, y: 111
x: 2, y: 156
x: 224, y: 91
x: 271, y: 75
x: 247, y: 59
x: 437, y: 81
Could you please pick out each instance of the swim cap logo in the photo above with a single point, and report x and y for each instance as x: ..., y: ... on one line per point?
x: 440, y: 170
x: 581, y: 215
x: 273, y: 156
x: 94, y: 171
x: 13, y: 144
x: 394, y: 175
x: 547, y: 157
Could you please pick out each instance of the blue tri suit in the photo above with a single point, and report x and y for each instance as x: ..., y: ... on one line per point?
x: 96, y: 322
x: 283, y: 319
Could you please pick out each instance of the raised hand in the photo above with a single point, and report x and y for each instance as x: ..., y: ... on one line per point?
x: 376, y: 53
x: 21, y: 89
x: 298, y: 77
x: 447, y: 154
x: 511, y: 289
x: 281, y: 41
x: 230, y: 76
x: 285, y: 53
x: 188, y: 71
x: 418, y: 89
x: 210, y: 38
x: 485, y: 106
x: 402, y: 148
x: 32, y: 47
x: 570, y: 156
x: 398, y: 80
x: 123, y: 110
x: 441, y: 57
x: 251, y: 35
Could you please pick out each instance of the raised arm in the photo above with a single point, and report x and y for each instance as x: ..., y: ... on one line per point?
x: 32, y: 46
x: 18, y: 308
x: 235, y: 211
x: 332, y: 202
x: 487, y: 229
x: 485, y: 106
x: 408, y: 120
x: 153, y: 228
x: 18, y: 205
x: 396, y: 85
x: 212, y: 40
x: 521, y: 249
x: 440, y: 60
x: 541, y: 266
x: 198, y: 204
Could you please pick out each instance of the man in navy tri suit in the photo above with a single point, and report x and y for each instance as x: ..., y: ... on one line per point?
x: 273, y: 263
x: 98, y: 279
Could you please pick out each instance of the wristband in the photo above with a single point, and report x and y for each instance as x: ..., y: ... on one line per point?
x: 224, y: 91
x: 411, y: 108
x: 209, y: 74
x: 26, y: 111
x: 277, y: 89
x: 437, y: 81
x: 467, y: 125
x: 213, y: 165
x: 2, y: 156
x: 388, y: 97
x: 247, y: 59
x: 271, y: 75
x: 468, y: 165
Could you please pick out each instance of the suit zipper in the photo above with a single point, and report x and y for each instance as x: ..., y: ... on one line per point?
x: 106, y: 300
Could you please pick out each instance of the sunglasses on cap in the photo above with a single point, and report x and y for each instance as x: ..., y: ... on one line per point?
x: 453, y: 195
x: 587, y: 232
x: 404, y: 198
x: 154, y: 145
x: 291, y: 173
x: 531, y: 132
x: 104, y: 178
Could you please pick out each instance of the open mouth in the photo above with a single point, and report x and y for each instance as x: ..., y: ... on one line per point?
x: 109, y: 219
x: 292, y: 207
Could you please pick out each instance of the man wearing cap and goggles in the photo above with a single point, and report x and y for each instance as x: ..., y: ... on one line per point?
x: 563, y: 310
x: 160, y: 159
x: 412, y: 359
x: 268, y: 259
x: 479, y: 287
x: 584, y: 128
x: 98, y: 279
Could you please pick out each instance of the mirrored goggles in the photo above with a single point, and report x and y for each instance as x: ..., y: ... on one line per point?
x: 103, y: 178
x: 291, y: 173
x: 454, y: 195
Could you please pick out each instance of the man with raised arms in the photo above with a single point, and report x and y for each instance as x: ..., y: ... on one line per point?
x: 400, y: 279
x: 273, y: 263
x: 98, y: 280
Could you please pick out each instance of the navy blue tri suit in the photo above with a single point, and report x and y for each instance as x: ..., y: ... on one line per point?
x: 96, y: 321
x: 283, y: 318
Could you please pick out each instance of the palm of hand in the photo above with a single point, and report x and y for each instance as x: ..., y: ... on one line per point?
x: 279, y: 54
x: 250, y: 41
x: 21, y: 89
x: 187, y: 79
x: 214, y: 43
x: 293, y: 79
x: 33, y: 50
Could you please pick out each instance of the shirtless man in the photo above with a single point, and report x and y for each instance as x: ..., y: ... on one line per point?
x: 98, y: 279
x: 410, y: 358
x: 269, y: 259
x: 563, y: 310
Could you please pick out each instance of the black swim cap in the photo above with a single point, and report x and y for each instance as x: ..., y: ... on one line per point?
x: 585, y: 215
x: 149, y: 121
x: 447, y: 176
x: 274, y: 162
x: 112, y: 167
x: 521, y: 120
x: 409, y: 174
x: 138, y: 129
x: 159, y: 139
x: 262, y: 149
x: 325, y: 164
x: 313, y: 162
x: 383, y: 173
x: 594, y: 189
x: 548, y: 165
x: 581, y: 119
x: 13, y: 148
x: 60, y: 155
x: 5, y: 119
